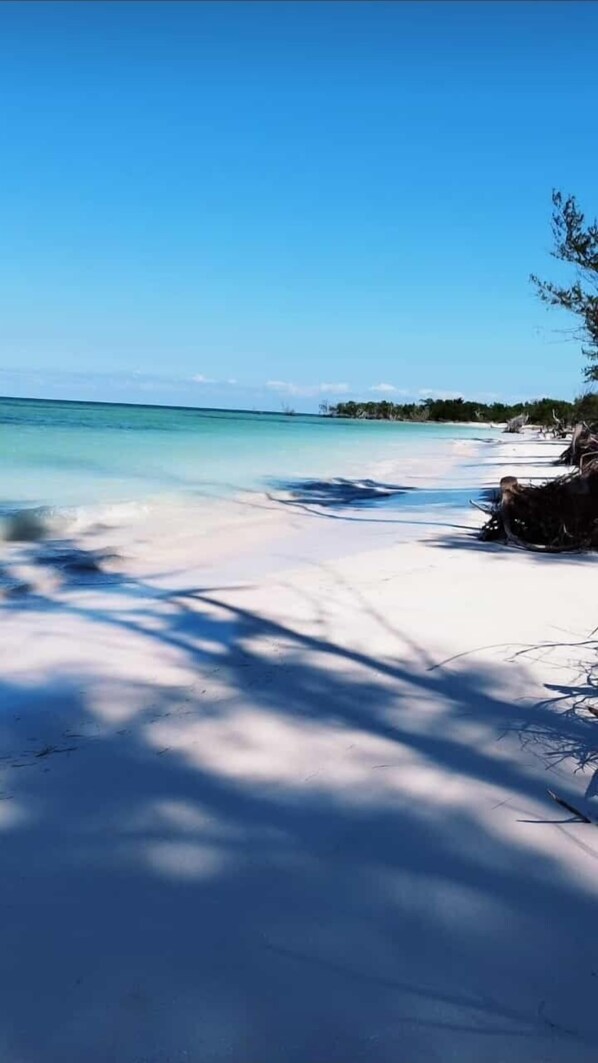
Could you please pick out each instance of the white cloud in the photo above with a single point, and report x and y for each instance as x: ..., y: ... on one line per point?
x: 334, y: 389
x: 287, y: 387
x: 432, y: 393
x: 383, y: 387
x: 199, y: 378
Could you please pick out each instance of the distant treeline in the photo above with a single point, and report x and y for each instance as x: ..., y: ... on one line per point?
x: 541, y: 412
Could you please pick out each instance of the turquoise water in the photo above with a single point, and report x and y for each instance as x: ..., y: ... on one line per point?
x: 68, y: 454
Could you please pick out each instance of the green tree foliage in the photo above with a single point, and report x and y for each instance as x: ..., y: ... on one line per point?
x: 540, y: 412
x: 586, y: 408
x: 576, y: 242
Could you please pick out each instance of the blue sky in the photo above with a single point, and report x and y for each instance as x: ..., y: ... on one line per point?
x: 264, y: 203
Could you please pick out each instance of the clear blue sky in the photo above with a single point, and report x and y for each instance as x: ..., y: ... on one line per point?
x: 288, y: 201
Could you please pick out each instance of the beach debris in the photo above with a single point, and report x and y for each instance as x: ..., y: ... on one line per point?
x: 582, y: 448
x: 559, y: 429
x: 557, y: 516
x: 516, y: 424
x: 569, y: 808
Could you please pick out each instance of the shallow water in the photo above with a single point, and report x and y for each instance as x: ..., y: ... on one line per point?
x: 65, y: 455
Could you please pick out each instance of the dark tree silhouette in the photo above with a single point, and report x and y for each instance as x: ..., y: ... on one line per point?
x: 576, y: 242
x: 541, y: 411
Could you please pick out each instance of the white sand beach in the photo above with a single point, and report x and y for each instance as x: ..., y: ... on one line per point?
x: 275, y: 790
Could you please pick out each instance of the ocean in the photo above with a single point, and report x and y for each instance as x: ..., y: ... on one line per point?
x: 72, y: 457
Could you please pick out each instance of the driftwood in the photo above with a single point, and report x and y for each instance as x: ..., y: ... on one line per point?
x: 516, y: 424
x: 559, y: 427
x: 557, y: 516
x: 570, y: 808
x: 583, y: 446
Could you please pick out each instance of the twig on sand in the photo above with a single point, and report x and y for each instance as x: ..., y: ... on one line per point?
x: 570, y: 808
x: 488, y: 509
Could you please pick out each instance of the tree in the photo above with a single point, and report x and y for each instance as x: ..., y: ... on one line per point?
x: 586, y: 408
x: 576, y: 242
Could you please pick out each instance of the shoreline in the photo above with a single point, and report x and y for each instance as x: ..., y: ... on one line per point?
x: 291, y: 790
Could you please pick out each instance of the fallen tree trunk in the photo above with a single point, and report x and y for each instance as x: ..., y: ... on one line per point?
x: 557, y: 516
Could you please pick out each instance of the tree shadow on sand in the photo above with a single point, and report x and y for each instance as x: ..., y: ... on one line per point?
x: 339, y: 492
x: 468, y: 539
x: 297, y: 852
x: 347, y: 500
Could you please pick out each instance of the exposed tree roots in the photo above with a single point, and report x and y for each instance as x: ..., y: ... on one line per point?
x: 557, y: 516
x: 582, y: 448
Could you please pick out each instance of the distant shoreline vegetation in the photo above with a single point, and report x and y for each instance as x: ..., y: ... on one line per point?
x: 541, y: 411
